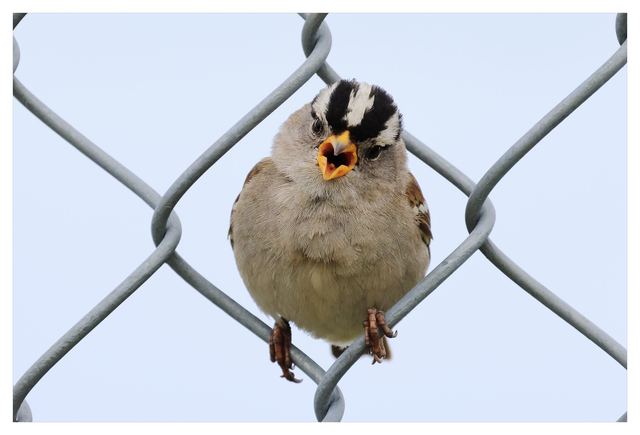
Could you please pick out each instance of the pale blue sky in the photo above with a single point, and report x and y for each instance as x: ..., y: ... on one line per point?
x: 154, y: 91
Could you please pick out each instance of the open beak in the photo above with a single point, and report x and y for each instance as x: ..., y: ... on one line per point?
x: 336, y: 156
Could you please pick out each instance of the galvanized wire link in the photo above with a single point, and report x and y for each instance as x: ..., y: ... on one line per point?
x: 480, y: 217
x: 621, y: 28
x: 309, y: 40
x: 17, y: 18
x: 131, y: 283
x: 16, y: 55
x: 505, y: 163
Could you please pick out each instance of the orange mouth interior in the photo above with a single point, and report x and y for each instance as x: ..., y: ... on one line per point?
x: 333, y: 166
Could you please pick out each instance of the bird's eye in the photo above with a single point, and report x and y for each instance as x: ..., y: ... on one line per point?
x: 317, y: 126
x: 374, y: 152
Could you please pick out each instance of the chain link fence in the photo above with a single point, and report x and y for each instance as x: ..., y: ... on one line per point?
x: 480, y: 216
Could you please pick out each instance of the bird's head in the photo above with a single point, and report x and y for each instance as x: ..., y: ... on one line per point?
x: 349, y: 132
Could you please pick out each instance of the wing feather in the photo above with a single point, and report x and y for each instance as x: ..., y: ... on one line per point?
x: 420, y: 208
x: 252, y: 173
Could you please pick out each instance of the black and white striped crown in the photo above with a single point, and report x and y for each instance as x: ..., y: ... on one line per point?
x: 367, y: 111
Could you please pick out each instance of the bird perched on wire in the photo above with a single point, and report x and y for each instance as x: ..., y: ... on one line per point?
x: 332, y: 229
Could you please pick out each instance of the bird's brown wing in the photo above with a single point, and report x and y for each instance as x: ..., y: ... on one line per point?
x: 252, y: 173
x: 419, y: 207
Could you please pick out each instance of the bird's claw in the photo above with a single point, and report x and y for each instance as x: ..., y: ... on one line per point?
x: 376, y: 322
x: 279, y: 347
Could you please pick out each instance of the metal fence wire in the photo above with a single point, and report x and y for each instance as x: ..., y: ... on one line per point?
x: 166, y: 228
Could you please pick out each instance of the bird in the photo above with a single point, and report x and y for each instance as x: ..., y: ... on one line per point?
x: 332, y: 229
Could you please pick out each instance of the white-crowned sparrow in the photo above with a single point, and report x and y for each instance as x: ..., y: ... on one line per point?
x: 332, y: 229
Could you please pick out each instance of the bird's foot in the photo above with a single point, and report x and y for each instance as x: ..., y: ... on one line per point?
x: 279, y: 347
x: 376, y: 322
